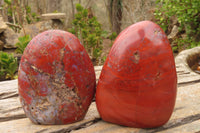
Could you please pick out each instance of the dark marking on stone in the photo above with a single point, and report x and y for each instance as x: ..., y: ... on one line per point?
x: 156, y: 31
x: 137, y: 57
x: 157, y: 75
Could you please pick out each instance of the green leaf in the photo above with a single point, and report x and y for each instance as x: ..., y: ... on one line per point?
x: 23, y: 42
x: 97, y: 52
x: 187, y: 13
x: 7, y: 2
x: 85, y: 13
x: 8, y: 65
x: 89, y: 31
x: 79, y: 8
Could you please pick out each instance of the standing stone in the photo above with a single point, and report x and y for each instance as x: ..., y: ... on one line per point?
x: 34, y: 29
x: 11, y: 38
x: 3, y: 25
x: 138, y: 82
x: 56, y: 79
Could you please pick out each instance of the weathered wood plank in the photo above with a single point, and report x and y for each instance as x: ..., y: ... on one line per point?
x: 186, y: 128
x: 11, y: 113
x: 7, y: 87
x: 25, y: 125
x: 97, y: 71
x: 105, y: 127
x: 98, y: 68
x: 185, y: 118
x: 10, y: 109
x: 186, y: 114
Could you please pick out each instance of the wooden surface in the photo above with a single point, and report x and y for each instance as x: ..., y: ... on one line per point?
x: 185, y: 118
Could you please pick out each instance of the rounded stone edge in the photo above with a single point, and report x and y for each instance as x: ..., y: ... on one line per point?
x: 182, y: 60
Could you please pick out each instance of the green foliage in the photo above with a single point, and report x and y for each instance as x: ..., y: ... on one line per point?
x: 8, y: 2
x: 113, y: 36
x: 14, y: 11
x: 31, y: 17
x: 28, y: 9
x: 104, y: 58
x: 89, y: 31
x: 56, y: 11
x: 185, y: 43
x: 23, y: 42
x: 8, y: 6
x: 187, y: 13
x: 8, y: 65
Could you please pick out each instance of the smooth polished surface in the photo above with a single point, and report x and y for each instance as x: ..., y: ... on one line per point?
x: 56, y: 80
x: 138, y: 82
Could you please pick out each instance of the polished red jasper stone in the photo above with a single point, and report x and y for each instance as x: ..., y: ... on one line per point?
x: 56, y: 79
x: 138, y: 82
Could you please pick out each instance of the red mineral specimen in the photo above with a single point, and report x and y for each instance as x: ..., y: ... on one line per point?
x: 56, y: 79
x: 138, y: 82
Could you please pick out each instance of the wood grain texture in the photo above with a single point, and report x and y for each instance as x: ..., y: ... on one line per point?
x: 185, y: 117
